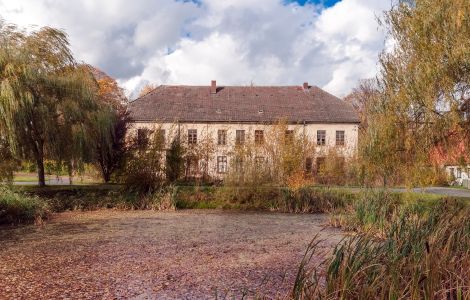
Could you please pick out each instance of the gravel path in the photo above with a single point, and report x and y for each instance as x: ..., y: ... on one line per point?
x: 165, y: 255
x: 447, y: 191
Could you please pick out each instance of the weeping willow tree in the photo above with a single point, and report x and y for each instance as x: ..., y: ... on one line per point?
x: 47, y: 100
x: 424, y: 84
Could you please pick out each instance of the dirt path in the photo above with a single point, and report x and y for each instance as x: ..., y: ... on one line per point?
x: 164, y: 255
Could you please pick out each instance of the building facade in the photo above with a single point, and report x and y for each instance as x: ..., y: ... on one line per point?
x: 231, y: 115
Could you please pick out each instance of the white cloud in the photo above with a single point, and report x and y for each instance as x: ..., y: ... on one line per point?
x: 233, y: 41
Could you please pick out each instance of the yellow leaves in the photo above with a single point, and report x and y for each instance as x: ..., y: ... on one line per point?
x: 147, y: 89
x: 110, y: 93
x: 420, y: 80
x: 298, y: 180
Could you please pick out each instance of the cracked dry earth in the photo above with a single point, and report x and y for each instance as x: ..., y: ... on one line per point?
x: 193, y: 254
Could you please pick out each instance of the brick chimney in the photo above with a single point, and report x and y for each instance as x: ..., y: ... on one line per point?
x: 305, y: 85
x: 213, y: 87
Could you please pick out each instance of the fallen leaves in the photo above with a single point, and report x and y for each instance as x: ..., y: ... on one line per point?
x: 185, y: 254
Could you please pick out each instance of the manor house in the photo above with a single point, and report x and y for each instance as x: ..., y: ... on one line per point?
x: 231, y: 115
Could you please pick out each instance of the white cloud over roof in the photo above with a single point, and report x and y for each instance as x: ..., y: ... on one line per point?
x: 265, y: 42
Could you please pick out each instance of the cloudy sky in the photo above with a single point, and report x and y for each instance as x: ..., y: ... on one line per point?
x: 330, y: 43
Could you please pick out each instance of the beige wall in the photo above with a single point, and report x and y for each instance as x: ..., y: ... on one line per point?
x: 171, y: 130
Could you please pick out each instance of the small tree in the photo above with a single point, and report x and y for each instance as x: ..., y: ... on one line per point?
x: 175, y: 161
x: 287, y: 152
x: 279, y: 159
x: 147, y: 89
x: 201, y: 153
x: 144, y: 172
x: 109, y: 139
x: 111, y: 146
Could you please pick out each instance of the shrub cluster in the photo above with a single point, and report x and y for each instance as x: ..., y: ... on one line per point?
x: 18, y: 208
x: 64, y: 198
x: 283, y: 199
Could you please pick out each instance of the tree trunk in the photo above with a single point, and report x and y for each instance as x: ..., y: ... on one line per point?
x: 106, y: 176
x: 70, y: 171
x: 40, y: 166
x: 105, y: 171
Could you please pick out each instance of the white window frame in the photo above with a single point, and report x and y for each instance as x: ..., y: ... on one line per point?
x: 222, y: 164
x: 321, y: 137
x: 340, y: 140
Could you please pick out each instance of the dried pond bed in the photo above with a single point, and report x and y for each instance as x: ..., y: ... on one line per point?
x: 146, y: 254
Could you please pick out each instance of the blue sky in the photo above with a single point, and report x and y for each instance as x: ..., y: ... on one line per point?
x: 326, y: 3
x: 236, y: 42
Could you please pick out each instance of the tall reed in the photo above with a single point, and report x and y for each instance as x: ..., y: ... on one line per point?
x: 401, y: 251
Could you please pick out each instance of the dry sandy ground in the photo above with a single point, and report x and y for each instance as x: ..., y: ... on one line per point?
x: 157, y: 255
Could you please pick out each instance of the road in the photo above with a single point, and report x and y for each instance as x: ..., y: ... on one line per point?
x: 447, y: 191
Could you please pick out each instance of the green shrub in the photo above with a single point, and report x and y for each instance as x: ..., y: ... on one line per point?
x: 283, y: 199
x: 94, y: 197
x: 144, y: 171
x: 314, y: 200
x: 18, y: 208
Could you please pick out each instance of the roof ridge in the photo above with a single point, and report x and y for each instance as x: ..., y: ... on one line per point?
x: 235, y: 86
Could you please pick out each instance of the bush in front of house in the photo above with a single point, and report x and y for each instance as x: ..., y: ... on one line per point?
x: 16, y: 208
x: 273, y: 198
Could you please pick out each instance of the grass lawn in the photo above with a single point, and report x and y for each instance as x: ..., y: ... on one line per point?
x: 28, y: 178
x: 33, y: 177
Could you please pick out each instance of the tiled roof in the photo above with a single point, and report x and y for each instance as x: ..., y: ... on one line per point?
x: 241, y: 104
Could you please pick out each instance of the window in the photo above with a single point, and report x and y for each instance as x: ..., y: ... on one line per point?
x: 321, y: 137
x: 222, y: 137
x: 289, y: 136
x: 238, y: 164
x: 459, y: 173
x: 259, y: 137
x: 339, y: 137
x: 192, y: 166
x: 320, y: 164
x: 308, y: 165
x: 161, y: 136
x: 143, y: 136
x: 240, y: 137
x: 451, y: 172
x: 192, y: 136
x: 222, y: 164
